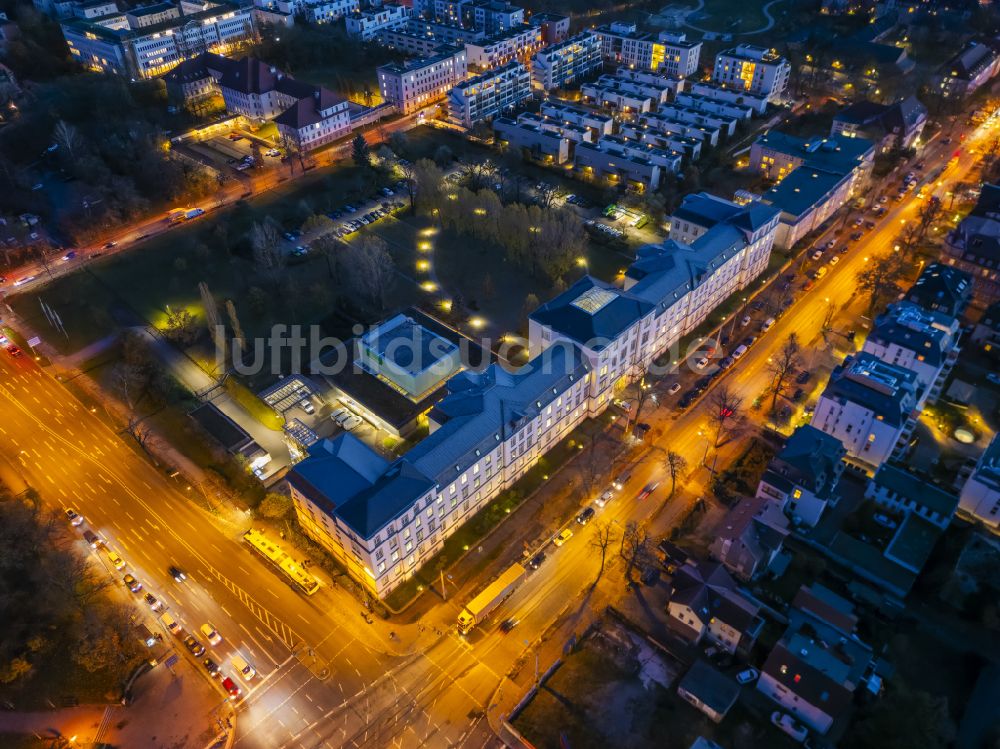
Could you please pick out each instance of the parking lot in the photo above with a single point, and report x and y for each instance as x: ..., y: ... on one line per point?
x: 233, y: 151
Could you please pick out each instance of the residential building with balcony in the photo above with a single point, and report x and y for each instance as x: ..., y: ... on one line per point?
x: 147, y: 51
x: 980, y: 496
x: 753, y: 69
x: 415, y: 84
x: 532, y: 139
x: 327, y: 11
x: 802, y: 478
x: 489, y: 95
x: 554, y: 27
x: 428, y: 38
x: 658, y: 122
x: 617, y: 161
x: 566, y: 62
x: 625, y: 100
x: 974, y: 246
x: 367, y: 24
x: 689, y: 148
x: 706, y: 605
x: 519, y: 43
x: 599, y: 124
x: 573, y: 133
x: 728, y: 95
x: 920, y: 340
x: 871, y: 407
x: 668, y: 53
x: 711, y: 105
x: 692, y: 115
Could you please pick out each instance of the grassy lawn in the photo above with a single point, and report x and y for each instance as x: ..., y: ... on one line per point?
x: 732, y: 16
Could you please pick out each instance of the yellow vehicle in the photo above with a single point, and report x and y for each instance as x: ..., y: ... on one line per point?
x: 564, y: 535
x: 116, y: 560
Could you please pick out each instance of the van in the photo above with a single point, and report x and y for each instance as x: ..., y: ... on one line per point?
x: 171, y: 624
x: 740, y: 350
x: 91, y: 538
x: 246, y: 670
x: 768, y: 324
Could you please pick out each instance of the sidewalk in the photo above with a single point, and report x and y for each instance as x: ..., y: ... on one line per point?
x: 171, y: 709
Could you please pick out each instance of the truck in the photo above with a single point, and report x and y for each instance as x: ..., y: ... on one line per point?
x: 193, y: 213
x: 480, y: 607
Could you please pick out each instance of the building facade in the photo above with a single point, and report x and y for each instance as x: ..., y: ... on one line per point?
x: 974, y: 246
x: 367, y: 24
x: 489, y: 95
x: 415, y: 84
x: 980, y: 497
x: 753, y: 69
x: 668, y: 53
x: 566, y: 62
x: 516, y: 44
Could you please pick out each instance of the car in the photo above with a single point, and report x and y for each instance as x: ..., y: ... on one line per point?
x: 745, y: 321
x: 701, y: 363
x: 194, y: 647
x: 562, y: 537
x: 606, y: 497
x: 884, y: 520
x: 177, y: 573
x: 821, y: 271
x: 212, y: 667
x: 817, y: 255
x: 340, y: 415
x: 749, y: 341
x: 883, y: 200
x: 803, y: 377
x: 834, y: 260
x: 24, y: 280
x: 116, y: 561
x: 993, y: 377
x: 536, y: 561
x: 688, y: 398
x: 624, y: 405
x: 300, y: 251
x: 747, y: 676
x: 648, y: 489
x: 153, y: 602
x: 73, y: 517
x: 351, y: 423
x: 13, y: 350
x: 767, y: 324
x: 726, y: 363
x: 243, y: 668
x: 740, y: 351
x: 69, y: 255
x: 131, y: 583
x: 231, y: 686
x: 858, y: 222
x: 387, y: 192
x: 508, y: 624
x: 845, y: 249
x: 829, y: 244
x: 798, y: 395
x: 808, y: 285
x: 91, y: 538
x: 211, y: 634
x: 788, y: 724
x: 869, y: 224
x: 585, y: 517
x: 350, y: 209
x: 306, y: 405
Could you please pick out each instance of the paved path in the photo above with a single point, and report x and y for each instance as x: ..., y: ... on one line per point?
x: 766, y: 10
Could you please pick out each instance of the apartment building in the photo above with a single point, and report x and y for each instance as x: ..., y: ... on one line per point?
x: 962, y: 75
x: 489, y: 95
x: 688, y: 148
x: 668, y: 53
x: 327, y: 11
x: 903, y: 493
x: 750, y: 536
x: 598, y: 124
x: 706, y: 605
x: 890, y: 126
x: 980, y: 496
x: 152, y: 15
x: 740, y: 97
x: 659, y: 88
x: 147, y: 51
x: 755, y: 70
x: 974, y: 246
x: 709, y: 105
x: 573, y: 133
x: 367, y: 24
x: 489, y: 16
x: 941, y: 288
x: 692, y: 115
x: 658, y: 122
x: 428, y: 38
x: 617, y: 161
x: 419, y: 83
x: 669, y: 290
x: 920, y: 340
x: 566, y: 62
x: 554, y: 27
x: 802, y: 478
x: 819, y: 662
x: 516, y: 44
x: 382, y: 520
x: 532, y: 139
x: 871, y: 407
x: 610, y: 95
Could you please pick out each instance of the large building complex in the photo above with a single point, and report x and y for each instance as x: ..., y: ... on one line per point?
x: 516, y: 44
x: 669, y: 53
x: 418, y: 83
x: 974, y: 246
x: 490, y: 94
x: 753, y: 69
x: 132, y: 47
x: 366, y: 25
x: 383, y: 519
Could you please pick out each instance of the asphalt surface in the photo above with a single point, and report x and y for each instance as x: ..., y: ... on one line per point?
x: 325, y: 676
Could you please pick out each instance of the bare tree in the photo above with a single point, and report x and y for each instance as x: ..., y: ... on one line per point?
x: 930, y: 211
x: 371, y: 269
x: 635, y: 546
x: 139, y: 432
x: 831, y: 310
x: 725, y: 408
x: 878, y: 279
x: 69, y: 139
x: 591, y: 464
x: 409, y: 184
x: 547, y: 193
x: 676, y: 464
x: 478, y: 174
x: 604, y: 536
x: 268, y: 259
x: 781, y: 366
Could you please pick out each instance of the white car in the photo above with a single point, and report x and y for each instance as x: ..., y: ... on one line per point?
x: 702, y: 362
x: 789, y: 725
x: 306, y: 405
x: 674, y: 388
x: 605, y: 498
x: 211, y: 634
x: 74, y: 518
x: 339, y: 415
x: 351, y: 423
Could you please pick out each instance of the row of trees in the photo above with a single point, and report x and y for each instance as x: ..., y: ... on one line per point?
x: 53, y: 605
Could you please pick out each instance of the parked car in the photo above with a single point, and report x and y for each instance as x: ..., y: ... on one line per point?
x: 606, y: 497
x: 231, y: 686
x: 212, y: 667
x: 748, y: 676
x: 745, y: 321
x: 585, y: 517
x: 788, y: 724
x: 536, y: 561
x: 131, y: 583
x: 562, y: 537
x: 674, y: 388
x: 194, y: 647
x: 884, y: 520
x: 74, y: 518
x: 153, y: 602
